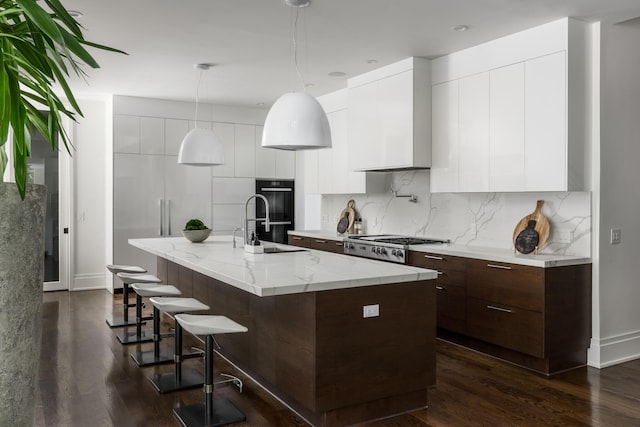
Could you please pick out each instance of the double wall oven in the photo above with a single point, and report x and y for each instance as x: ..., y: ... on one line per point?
x: 280, y: 194
x: 385, y: 247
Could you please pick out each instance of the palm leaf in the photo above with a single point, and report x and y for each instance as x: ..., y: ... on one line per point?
x: 39, y: 48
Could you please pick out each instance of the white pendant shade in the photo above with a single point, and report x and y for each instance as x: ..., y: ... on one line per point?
x: 296, y: 122
x: 201, y: 147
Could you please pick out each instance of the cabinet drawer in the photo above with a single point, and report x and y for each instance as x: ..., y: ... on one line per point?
x: 327, y: 245
x: 436, y: 261
x: 509, y: 284
x: 451, y: 312
x: 301, y: 241
x: 506, y: 326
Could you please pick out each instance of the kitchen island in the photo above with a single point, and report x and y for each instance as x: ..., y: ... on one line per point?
x: 339, y: 339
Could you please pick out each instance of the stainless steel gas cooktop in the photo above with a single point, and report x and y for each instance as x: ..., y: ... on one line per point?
x: 385, y: 247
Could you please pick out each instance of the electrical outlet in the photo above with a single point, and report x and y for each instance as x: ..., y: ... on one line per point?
x: 616, y: 236
x: 564, y: 235
x: 371, y: 310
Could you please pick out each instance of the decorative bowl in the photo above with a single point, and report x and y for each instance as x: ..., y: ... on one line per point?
x: 196, y: 236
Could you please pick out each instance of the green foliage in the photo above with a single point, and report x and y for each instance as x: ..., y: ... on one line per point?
x: 39, y: 48
x: 195, y: 224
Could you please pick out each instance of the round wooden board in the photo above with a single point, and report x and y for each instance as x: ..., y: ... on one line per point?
x: 542, y: 225
x: 352, y: 218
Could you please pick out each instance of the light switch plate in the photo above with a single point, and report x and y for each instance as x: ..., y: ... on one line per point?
x: 616, y: 236
x: 371, y: 310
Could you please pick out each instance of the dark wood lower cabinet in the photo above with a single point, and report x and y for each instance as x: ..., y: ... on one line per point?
x: 317, y: 353
x: 539, y: 318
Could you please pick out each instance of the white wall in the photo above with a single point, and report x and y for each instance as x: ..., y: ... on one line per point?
x: 90, y: 211
x: 619, y: 293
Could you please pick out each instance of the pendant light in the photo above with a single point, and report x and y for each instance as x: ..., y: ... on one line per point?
x: 200, y: 147
x: 296, y: 121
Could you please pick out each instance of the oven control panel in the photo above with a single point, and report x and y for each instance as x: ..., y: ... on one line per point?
x: 373, y: 251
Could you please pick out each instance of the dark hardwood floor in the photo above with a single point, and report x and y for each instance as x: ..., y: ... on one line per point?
x: 87, y: 378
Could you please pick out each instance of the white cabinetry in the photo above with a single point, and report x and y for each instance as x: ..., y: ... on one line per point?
x: 389, y: 117
x: 327, y: 170
x: 153, y: 195
x: 273, y: 163
x: 520, y: 126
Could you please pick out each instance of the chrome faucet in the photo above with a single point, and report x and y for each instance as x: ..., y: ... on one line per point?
x: 267, y: 226
x: 234, y: 235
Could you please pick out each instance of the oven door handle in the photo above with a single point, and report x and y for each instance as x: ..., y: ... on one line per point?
x: 279, y: 223
x: 274, y: 189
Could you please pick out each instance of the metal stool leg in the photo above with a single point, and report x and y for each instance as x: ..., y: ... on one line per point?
x: 119, y: 321
x: 181, y: 378
x: 139, y: 336
x: 213, y: 412
x: 157, y: 356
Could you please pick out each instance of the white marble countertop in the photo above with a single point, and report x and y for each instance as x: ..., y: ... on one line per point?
x: 477, y: 252
x: 279, y: 273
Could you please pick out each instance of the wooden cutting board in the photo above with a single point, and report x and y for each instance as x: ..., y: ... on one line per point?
x: 347, y: 216
x: 542, y: 225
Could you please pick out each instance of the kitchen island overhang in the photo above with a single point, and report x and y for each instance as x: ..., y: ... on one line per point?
x: 308, y: 341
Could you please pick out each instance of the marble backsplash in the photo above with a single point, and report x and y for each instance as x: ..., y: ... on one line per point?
x: 476, y: 219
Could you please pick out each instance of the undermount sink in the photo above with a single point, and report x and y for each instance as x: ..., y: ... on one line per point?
x: 276, y: 250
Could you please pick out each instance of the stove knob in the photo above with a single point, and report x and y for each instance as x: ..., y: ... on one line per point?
x: 383, y: 251
x: 373, y: 249
x: 400, y: 254
x: 395, y: 252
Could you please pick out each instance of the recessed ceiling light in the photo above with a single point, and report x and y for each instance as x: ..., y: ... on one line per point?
x: 459, y: 28
x: 203, y: 66
x: 309, y: 85
x: 337, y: 74
x: 260, y: 104
x: 75, y: 14
x: 371, y: 61
x: 297, y: 3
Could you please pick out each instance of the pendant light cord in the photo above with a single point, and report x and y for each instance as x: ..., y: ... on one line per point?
x: 197, y: 98
x: 295, y: 50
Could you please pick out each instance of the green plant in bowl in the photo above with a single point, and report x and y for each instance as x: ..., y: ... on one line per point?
x: 196, y: 231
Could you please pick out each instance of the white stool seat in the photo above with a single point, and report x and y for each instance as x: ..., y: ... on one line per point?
x: 117, y: 268
x: 177, y: 305
x: 155, y: 290
x: 138, y: 278
x: 209, y: 325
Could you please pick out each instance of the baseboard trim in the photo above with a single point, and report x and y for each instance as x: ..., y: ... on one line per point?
x: 87, y: 282
x: 614, y: 350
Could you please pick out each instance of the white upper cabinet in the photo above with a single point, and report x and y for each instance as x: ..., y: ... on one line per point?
x: 446, y: 137
x: 272, y: 163
x: 506, y: 127
x: 509, y: 115
x: 327, y: 170
x: 389, y: 117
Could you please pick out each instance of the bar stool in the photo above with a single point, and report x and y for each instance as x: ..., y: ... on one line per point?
x: 181, y: 378
x: 212, y: 412
x: 139, y: 336
x: 155, y: 356
x: 119, y: 321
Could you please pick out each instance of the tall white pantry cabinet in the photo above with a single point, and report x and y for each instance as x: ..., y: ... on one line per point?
x: 155, y: 196
x: 512, y: 115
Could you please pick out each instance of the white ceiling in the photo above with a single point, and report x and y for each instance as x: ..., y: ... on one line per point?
x: 250, y: 40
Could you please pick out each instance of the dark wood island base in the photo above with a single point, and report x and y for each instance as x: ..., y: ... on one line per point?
x: 317, y: 353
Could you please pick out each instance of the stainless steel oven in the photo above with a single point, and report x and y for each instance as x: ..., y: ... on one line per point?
x: 390, y: 248
x: 280, y: 194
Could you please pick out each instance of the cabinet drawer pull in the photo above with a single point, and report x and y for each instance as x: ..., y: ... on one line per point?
x: 440, y: 288
x: 321, y: 241
x: 438, y: 258
x: 339, y: 244
x: 440, y: 273
x: 296, y: 238
x: 501, y: 267
x: 493, y: 307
